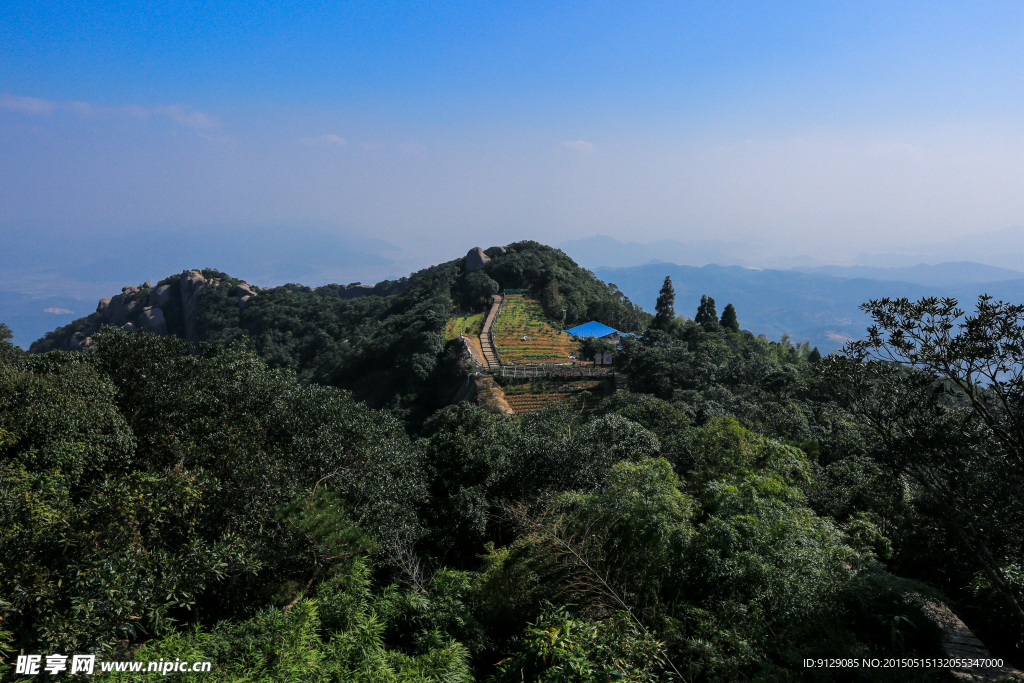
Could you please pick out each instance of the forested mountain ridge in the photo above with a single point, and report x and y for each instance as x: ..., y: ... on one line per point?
x: 384, y: 342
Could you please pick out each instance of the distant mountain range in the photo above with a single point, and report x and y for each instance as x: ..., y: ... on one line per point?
x: 940, y: 275
x: 808, y: 305
x: 809, y: 300
x: 603, y: 251
x: 1001, y: 250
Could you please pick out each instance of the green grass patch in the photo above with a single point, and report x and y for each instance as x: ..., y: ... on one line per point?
x: 470, y: 324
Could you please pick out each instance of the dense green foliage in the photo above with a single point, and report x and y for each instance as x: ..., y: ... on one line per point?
x: 745, y: 506
x: 389, y: 347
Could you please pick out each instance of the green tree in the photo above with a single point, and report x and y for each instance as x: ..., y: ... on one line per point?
x: 942, y: 392
x: 665, y: 312
x: 480, y: 289
x: 729, y: 320
x: 706, y: 316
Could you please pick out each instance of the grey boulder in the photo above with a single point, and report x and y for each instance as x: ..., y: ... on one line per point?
x: 475, y: 259
x: 152, y: 320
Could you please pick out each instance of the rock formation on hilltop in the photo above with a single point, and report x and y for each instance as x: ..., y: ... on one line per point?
x: 172, y: 307
x: 476, y: 259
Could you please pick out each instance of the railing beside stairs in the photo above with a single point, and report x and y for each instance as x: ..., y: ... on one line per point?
x: 490, y: 331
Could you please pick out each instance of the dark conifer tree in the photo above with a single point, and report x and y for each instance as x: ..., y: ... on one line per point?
x: 729, y: 320
x: 702, y: 314
x: 665, y: 312
x: 706, y: 313
x: 815, y: 355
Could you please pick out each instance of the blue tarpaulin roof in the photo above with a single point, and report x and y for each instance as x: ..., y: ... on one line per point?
x: 591, y: 329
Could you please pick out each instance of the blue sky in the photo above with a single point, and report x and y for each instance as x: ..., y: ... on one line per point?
x: 823, y: 128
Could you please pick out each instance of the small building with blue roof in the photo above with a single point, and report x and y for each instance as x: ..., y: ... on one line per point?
x: 595, y: 329
x: 600, y: 331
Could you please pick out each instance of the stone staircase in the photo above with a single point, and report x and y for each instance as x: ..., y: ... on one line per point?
x: 491, y: 358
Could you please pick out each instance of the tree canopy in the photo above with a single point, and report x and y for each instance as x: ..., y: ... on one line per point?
x: 299, y: 499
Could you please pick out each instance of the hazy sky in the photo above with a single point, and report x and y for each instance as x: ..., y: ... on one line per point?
x: 820, y: 127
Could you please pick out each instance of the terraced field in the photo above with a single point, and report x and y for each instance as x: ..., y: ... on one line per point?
x: 523, y: 317
x: 527, y: 398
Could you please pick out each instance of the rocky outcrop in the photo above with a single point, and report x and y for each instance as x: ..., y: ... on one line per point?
x: 354, y: 290
x: 172, y: 307
x: 123, y: 310
x: 160, y: 296
x: 476, y: 259
x: 117, y: 309
x: 78, y: 342
x: 152, y: 320
x: 192, y: 283
x: 245, y: 293
x: 495, y: 252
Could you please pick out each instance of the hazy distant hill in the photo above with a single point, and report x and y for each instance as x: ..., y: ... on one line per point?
x: 1000, y: 248
x: 814, y: 307
x: 984, y: 257
x: 940, y: 275
x: 603, y: 251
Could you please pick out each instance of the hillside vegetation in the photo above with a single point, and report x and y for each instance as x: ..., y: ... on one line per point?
x: 392, y: 346
x: 746, y: 506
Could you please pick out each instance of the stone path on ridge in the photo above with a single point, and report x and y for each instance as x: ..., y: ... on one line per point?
x: 490, y: 354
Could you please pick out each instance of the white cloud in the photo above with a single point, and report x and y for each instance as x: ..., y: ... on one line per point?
x: 183, y: 116
x: 329, y: 140
x: 581, y: 146
x: 26, y: 105
x: 56, y: 310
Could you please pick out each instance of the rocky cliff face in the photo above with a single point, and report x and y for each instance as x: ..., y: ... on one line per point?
x: 171, y: 307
